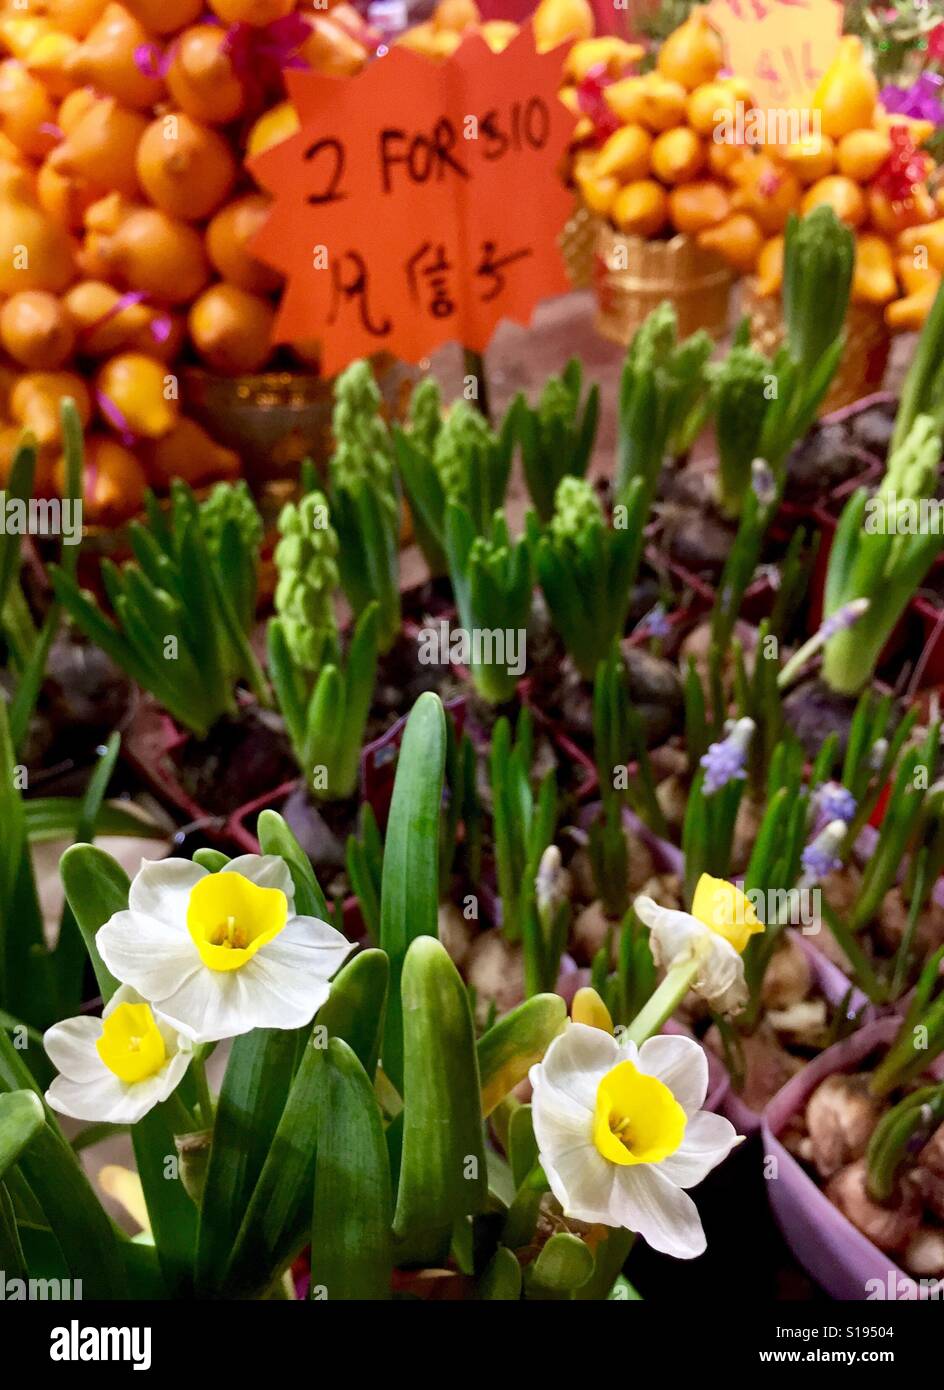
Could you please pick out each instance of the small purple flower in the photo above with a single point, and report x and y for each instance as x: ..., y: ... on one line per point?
x: 763, y: 482
x: 656, y: 622
x: 843, y: 618
x: 821, y: 856
x: 819, y: 863
x: 833, y: 801
x: 724, y: 761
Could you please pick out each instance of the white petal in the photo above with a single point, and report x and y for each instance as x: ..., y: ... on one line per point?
x: 666, y: 1217
x: 124, y: 994
x: 104, y: 1098
x: 309, y: 945
x: 157, y: 1088
x: 281, y: 995
x: 584, y: 1182
x: 146, y: 953
x: 680, y: 1064
x: 560, y: 1123
x: 576, y: 1062
x: 70, y: 1046
x: 263, y: 993
x: 161, y: 889
x: 208, y: 1005
x: 265, y: 871
x: 721, y: 979
x: 677, y: 936
x: 708, y: 1141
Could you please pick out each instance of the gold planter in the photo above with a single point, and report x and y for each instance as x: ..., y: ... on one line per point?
x: 868, y: 342
x: 633, y: 276
x: 577, y: 242
x: 275, y: 419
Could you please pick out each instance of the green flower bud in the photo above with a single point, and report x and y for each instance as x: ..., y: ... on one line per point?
x: 306, y: 560
x: 231, y: 502
x: 558, y: 404
x: 426, y: 415
x: 463, y: 449
x: 576, y: 508
x: 363, y: 451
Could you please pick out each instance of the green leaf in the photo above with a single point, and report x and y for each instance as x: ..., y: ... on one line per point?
x: 85, y: 1235
x: 255, y: 1088
x: 56, y: 817
x: 515, y: 1043
x: 19, y: 487
x: 210, y: 859
x: 443, y: 1173
x: 171, y: 1212
x: 275, y: 837
x: 21, y: 1119
x: 277, y: 1217
x: 96, y: 887
x: 350, y: 1231
x: 410, y: 884
x: 522, y: 1147
x: 12, y: 1259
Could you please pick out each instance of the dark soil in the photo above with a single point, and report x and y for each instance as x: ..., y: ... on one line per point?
x: 872, y: 429
x: 821, y: 462
x: 694, y: 533
x: 84, y: 697
x: 813, y: 712
x: 243, y: 758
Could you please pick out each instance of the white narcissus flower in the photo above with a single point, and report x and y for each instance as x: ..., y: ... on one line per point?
x: 713, y: 935
x: 115, y: 1068
x: 220, y: 954
x: 620, y: 1133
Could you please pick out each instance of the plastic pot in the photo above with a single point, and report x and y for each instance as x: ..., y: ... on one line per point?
x: 834, y: 986
x: 839, y: 1257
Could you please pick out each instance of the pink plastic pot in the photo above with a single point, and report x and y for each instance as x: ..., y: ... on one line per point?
x: 840, y: 1258
x: 834, y: 986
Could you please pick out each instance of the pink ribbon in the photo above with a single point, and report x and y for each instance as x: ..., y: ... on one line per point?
x: 159, y: 327
x: 115, y: 418
x: 153, y: 61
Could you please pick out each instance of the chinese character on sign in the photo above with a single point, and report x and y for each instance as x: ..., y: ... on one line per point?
x: 354, y: 286
x: 492, y: 268
x: 430, y: 267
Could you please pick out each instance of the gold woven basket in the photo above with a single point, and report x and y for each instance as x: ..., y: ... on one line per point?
x: 868, y: 342
x: 577, y: 242
x: 632, y: 276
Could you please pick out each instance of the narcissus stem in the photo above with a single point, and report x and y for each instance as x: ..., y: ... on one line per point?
x: 663, y: 1003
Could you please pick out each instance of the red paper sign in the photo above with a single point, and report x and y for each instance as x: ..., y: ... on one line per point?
x: 420, y: 202
x: 780, y: 47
